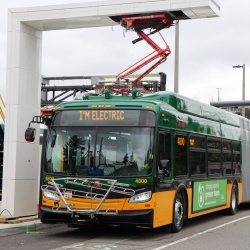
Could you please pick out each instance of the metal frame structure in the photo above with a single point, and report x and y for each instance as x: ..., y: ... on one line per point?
x: 61, y: 93
x: 237, y: 107
x: 230, y: 104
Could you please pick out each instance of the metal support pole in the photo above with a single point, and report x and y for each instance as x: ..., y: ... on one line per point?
x: 243, y: 91
x: 176, y: 62
x: 243, y: 87
x: 218, y: 94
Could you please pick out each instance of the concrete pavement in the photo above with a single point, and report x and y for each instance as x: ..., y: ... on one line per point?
x: 23, y: 227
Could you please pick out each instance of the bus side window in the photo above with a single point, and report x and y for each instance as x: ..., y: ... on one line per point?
x: 214, y: 156
x: 226, y: 157
x: 180, y: 155
x: 164, y: 151
x: 236, y: 158
x: 197, y: 158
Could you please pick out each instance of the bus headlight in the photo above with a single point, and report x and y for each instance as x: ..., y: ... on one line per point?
x: 51, y: 196
x: 143, y: 197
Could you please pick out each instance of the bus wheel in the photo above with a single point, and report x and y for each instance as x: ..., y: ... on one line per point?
x: 234, y: 201
x: 178, y: 214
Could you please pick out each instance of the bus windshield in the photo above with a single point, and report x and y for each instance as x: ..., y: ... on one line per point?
x: 99, y: 151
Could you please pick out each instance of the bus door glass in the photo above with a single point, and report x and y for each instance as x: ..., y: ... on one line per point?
x: 164, y: 154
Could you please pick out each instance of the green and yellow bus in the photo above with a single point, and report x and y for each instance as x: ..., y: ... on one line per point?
x: 147, y: 160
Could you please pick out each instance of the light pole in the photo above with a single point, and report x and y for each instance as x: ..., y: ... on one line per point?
x: 176, y: 61
x: 218, y: 94
x: 243, y: 86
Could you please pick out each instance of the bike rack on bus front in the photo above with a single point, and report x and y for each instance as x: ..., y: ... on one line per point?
x: 92, y: 185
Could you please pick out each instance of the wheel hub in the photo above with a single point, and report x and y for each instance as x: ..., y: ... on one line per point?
x: 178, y: 212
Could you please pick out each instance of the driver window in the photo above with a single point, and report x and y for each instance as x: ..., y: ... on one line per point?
x: 164, y: 149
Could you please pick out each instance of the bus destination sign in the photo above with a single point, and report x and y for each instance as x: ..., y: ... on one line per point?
x: 101, y: 115
x: 104, y: 117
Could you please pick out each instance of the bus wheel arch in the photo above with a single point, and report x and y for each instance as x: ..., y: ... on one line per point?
x: 233, y: 199
x: 179, y: 209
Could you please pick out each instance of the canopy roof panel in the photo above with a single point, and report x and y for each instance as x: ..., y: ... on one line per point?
x: 99, y: 13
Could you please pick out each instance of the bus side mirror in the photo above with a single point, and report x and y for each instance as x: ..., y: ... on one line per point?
x: 164, y: 166
x: 30, y: 134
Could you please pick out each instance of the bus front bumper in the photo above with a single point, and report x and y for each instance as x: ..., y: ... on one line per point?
x: 142, y: 218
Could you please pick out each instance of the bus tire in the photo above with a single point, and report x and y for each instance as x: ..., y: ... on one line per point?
x: 178, y: 214
x: 233, y: 201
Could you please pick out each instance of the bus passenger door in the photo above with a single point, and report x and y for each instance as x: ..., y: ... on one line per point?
x: 164, y: 196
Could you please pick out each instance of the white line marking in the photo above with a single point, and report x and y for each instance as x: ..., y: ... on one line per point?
x: 75, y: 246
x: 198, y: 234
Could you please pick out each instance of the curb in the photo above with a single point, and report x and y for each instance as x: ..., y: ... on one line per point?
x: 25, y: 227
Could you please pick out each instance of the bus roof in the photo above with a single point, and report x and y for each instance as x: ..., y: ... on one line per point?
x: 189, y: 106
x: 164, y: 99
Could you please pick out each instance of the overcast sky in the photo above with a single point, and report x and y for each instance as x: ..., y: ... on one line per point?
x: 208, y: 50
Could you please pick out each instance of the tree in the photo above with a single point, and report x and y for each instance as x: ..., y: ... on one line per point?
x: 70, y: 151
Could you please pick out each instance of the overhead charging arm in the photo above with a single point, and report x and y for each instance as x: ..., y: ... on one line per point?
x: 137, y: 24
